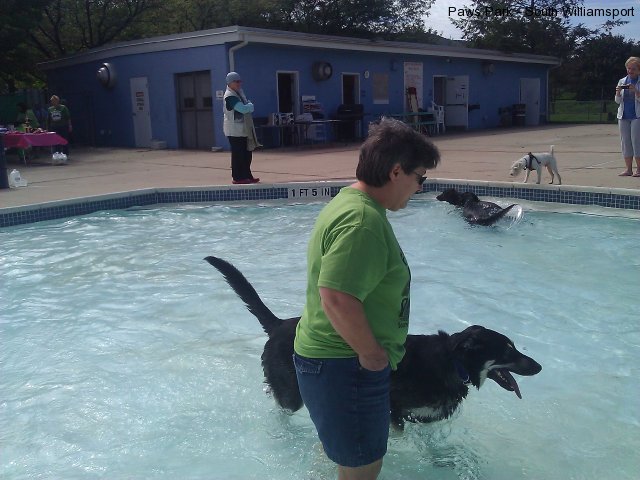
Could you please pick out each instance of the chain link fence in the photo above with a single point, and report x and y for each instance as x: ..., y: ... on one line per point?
x: 592, y: 111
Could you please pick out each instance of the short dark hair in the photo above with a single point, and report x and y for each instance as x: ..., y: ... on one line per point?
x: 390, y: 142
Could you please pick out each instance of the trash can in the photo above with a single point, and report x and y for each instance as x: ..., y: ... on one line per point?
x: 519, y: 114
x: 351, y: 116
x: 506, y: 118
x: 268, y: 135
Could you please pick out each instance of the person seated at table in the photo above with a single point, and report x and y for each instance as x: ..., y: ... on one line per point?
x: 59, y: 121
x: 26, y: 118
x: 26, y: 121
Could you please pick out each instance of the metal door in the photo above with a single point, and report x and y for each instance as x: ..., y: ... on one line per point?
x: 456, y: 109
x: 140, y: 111
x: 195, y: 110
x: 530, y: 96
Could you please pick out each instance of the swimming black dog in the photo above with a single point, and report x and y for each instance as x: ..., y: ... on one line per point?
x: 431, y: 380
x: 474, y: 210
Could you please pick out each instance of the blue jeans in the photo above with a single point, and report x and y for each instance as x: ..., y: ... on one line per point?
x: 349, y: 406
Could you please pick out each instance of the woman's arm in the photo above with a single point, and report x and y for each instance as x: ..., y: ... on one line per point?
x: 618, y: 97
x: 243, y: 107
x: 347, y: 316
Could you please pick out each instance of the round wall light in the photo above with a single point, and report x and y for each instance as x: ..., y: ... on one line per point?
x: 107, y: 75
x: 321, y: 70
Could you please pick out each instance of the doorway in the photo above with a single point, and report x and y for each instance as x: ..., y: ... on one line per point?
x: 439, y: 89
x: 350, y: 88
x: 195, y: 110
x: 288, y: 92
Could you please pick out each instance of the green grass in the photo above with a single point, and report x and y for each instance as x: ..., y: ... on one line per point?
x: 571, y: 111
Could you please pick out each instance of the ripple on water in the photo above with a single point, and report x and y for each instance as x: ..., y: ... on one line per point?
x: 125, y: 355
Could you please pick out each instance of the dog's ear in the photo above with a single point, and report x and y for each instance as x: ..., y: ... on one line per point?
x: 469, y: 196
x: 466, y: 339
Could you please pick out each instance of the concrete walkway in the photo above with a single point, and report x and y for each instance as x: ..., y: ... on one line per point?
x: 588, y: 155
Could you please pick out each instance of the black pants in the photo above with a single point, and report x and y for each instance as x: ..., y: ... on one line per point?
x: 63, y: 131
x: 240, y: 158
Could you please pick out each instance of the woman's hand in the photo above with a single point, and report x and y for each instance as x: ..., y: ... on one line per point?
x: 347, y: 316
x: 374, y: 361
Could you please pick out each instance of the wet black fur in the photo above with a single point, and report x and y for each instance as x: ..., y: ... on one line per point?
x: 474, y: 210
x: 426, y: 377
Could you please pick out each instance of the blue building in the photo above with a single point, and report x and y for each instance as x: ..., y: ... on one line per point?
x: 170, y: 88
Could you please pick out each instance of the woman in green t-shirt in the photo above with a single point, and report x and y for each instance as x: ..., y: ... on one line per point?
x: 354, y: 325
x: 59, y: 121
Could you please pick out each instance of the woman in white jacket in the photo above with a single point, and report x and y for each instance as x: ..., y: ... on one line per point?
x: 628, y: 100
x: 238, y: 130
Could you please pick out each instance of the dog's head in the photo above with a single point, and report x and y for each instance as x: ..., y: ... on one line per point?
x: 486, y: 354
x: 518, y: 166
x: 454, y: 197
x: 450, y: 195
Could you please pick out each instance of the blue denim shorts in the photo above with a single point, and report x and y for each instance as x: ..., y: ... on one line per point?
x: 349, y: 406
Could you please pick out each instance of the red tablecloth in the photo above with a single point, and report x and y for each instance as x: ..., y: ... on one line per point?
x: 24, y: 140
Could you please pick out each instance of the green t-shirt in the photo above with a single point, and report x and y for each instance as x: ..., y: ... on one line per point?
x: 353, y: 250
x: 33, y: 120
x: 59, y: 116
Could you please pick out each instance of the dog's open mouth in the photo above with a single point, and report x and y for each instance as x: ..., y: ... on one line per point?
x: 503, y: 377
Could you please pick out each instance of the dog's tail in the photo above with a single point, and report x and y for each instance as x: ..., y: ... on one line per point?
x: 496, y: 216
x: 551, y: 150
x: 247, y: 293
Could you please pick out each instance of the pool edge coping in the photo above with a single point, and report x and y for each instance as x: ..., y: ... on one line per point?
x: 307, y: 191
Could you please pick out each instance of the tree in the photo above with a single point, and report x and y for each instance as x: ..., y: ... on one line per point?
x: 17, y: 56
x: 70, y: 26
x: 354, y: 17
x: 49, y: 29
x: 523, y: 26
x: 384, y: 18
x: 598, y: 65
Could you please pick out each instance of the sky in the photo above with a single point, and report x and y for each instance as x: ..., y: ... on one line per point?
x: 439, y: 17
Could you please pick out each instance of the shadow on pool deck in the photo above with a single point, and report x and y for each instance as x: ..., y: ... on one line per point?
x: 588, y: 155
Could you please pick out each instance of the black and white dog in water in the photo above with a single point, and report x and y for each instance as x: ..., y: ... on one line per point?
x: 474, y: 210
x: 535, y: 161
x: 432, y: 379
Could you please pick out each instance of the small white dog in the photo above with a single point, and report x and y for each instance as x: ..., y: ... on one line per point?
x: 535, y: 161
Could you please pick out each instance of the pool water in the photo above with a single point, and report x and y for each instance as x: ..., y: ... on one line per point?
x: 125, y: 355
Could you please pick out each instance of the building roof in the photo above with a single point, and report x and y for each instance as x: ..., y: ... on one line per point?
x: 233, y: 34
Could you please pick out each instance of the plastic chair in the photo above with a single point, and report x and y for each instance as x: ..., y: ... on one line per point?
x: 438, y: 113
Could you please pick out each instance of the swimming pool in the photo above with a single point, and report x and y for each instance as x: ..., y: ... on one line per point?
x: 125, y: 355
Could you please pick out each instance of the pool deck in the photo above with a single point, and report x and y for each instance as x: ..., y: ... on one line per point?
x: 588, y: 155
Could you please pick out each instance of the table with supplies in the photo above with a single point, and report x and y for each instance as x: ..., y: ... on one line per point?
x: 24, y: 141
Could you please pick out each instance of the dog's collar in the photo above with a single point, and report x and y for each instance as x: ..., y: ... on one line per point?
x: 532, y: 157
x: 462, y: 372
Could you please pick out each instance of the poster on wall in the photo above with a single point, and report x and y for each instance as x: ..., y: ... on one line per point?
x: 413, y: 78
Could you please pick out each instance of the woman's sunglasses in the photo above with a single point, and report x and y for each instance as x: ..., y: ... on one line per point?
x: 420, y: 178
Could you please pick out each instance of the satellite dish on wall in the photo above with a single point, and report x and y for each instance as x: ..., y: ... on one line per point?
x: 321, y: 70
x: 107, y: 75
